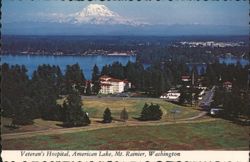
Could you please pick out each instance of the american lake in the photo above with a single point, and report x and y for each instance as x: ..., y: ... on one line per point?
x: 86, y: 62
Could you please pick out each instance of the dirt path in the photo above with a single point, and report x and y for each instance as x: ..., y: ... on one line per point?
x: 102, y: 126
x: 197, y: 116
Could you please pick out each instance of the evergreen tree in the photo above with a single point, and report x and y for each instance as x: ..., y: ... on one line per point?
x: 131, y: 72
x: 95, y: 73
x: 107, y: 118
x: 74, y: 79
x: 202, y: 70
x: 44, y: 91
x: 218, y: 97
x: 117, y: 70
x: 95, y: 80
x: 245, y: 110
x: 106, y: 70
x: 124, y: 115
x: 145, y: 112
x: 88, y: 89
x: 7, y: 91
x: 232, y: 104
x: 210, y: 76
x: 15, y: 89
x: 59, y: 80
x: 151, y: 112
x: 74, y: 115
x: 23, y: 113
x: 184, y: 95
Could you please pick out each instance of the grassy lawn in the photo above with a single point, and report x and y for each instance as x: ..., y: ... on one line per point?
x: 38, y: 125
x: 219, y: 134
x: 96, y: 107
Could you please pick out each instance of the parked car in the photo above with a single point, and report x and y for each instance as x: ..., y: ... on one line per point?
x: 216, y: 111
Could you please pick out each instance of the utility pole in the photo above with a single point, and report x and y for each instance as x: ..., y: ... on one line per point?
x: 248, y: 80
x: 193, y: 78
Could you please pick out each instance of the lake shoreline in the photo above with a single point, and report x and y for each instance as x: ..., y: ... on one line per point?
x: 30, y: 54
x: 86, y: 62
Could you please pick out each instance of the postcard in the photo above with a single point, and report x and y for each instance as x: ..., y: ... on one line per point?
x: 125, y: 81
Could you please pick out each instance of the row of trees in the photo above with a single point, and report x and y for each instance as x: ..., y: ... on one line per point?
x: 183, y: 54
x: 217, y: 73
x: 29, y: 98
x: 153, y: 80
x: 25, y: 99
x: 107, y: 117
x: 71, y: 44
x: 160, y: 76
x: 235, y: 104
x: 149, y: 112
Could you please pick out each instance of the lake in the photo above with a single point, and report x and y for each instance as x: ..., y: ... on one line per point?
x: 86, y: 62
x: 233, y: 60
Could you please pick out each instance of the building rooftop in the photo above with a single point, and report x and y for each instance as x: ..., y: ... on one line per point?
x: 111, y: 79
x: 185, y: 77
x: 227, y: 83
x: 106, y: 84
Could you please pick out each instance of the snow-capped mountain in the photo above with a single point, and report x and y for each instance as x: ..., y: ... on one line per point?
x: 96, y: 14
x: 96, y: 19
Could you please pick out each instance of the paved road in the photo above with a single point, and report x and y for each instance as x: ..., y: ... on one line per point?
x: 207, y: 98
x: 102, y: 126
x: 116, y: 98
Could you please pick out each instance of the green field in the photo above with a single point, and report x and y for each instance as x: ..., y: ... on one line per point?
x: 219, y: 134
x: 38, y: 125
x: 203, y: 134
x: 95, y: 107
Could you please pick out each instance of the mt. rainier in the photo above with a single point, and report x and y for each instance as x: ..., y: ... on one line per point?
x: 96, y: 19
x: 99, y: 15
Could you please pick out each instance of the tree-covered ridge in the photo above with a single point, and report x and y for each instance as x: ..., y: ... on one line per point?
x: 148, y: 49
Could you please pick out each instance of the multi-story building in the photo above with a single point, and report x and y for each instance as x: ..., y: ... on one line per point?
x: 111, y: 85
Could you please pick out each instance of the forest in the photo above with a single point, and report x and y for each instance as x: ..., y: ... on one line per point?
x: 24, y: 98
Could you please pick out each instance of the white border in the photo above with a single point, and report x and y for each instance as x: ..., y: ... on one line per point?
x: 67, y: 155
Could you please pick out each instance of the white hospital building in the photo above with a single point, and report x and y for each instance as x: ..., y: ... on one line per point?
x: 111, y: 85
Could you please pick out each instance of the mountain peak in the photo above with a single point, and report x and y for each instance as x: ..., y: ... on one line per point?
x: 97, y: 10
x: 93, y: 14
x: 100, y: 14
x: 97, y: 14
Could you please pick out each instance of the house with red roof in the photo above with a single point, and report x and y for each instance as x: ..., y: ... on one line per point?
x: 228, y: 85
x: 185, y: 78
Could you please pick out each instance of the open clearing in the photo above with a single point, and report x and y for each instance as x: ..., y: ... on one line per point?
x: 217, y: 134
x: 96, y: 106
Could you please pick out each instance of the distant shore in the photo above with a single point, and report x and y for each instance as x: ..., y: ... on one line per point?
x: 68, y: 54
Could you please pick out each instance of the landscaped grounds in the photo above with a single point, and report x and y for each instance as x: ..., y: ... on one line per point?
x: 212, y: 135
